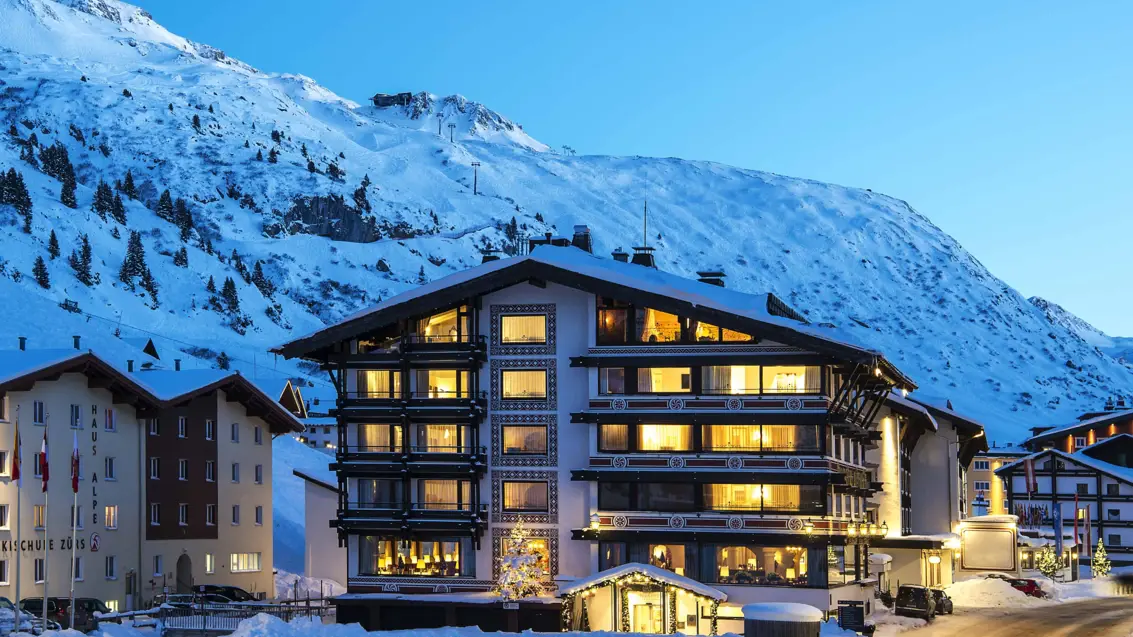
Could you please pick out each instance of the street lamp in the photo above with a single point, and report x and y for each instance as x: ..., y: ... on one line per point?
x: 595, y: 522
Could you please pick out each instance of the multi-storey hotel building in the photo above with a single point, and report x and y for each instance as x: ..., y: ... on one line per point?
x: 624, y: 414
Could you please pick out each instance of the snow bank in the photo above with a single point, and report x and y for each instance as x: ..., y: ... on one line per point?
x: 295, y: 586
x: 783, y: 612
x: 989, y: 593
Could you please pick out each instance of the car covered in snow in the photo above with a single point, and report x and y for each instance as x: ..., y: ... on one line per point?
x: 943, y: 602
x: 915, y: 601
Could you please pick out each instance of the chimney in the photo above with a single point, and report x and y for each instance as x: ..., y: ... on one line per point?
x: 176, y: 364
x: 711, y: 277
x: 1121, y: 402
x: 581, y: 239
x: 488, y: 256
x: 23, y: 343
x: 130, y: 365
x: 1109, y: 403
x: 643, y: 255
x: 76, y: 341
x: 619, y: 256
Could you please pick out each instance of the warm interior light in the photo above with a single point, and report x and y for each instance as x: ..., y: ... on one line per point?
x: 934, y: 559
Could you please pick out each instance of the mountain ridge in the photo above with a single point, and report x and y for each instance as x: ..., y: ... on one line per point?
x: 363, y: 202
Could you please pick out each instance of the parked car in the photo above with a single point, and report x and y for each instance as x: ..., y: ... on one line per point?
x: 915, y: 601
x: 34, y: 607
x: 176, y: 600
x: 943, y: 602
x: 233, y: 593
x: 1028, y: 587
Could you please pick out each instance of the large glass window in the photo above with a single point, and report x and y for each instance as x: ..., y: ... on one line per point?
x: 732, y: 497
x: 670, y: 557
x: 442, y: 383
x: 611, y: 380
x: 731, y: 438
x: 527, y: 329
x: 730, y: 379
x: 612, y: 323
x: 524, y: 384
x: 655, y: 326
x: 380, y: 494
x: 614, y: 496
x: 760, y: 565
x: 525, y: 497
x: 444, y: 495
x: 377, y: 438
x: 664, y: 437
x: 732, y: 336
x: 768, y: 498
x: 660, y: 496
x: 664, y: 380
x: 437, y: 438
x: 524, y: 439
x: 611, y: 554
x: 393, y: 556
x: 613, y: 437
x: 790, y: 438
x: 379, y: 383
x: 792, y: 379
x: 447, y: 327
x: 708, y: 333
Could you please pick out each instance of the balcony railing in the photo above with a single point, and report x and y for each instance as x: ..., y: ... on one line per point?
x: 382, y: 509
x: 432, y: 394
x: 467, y: 450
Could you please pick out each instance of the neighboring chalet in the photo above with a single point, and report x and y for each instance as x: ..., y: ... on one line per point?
x: 625, y: 415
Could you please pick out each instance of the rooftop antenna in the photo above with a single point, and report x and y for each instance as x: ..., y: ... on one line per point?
x: 645, y: 225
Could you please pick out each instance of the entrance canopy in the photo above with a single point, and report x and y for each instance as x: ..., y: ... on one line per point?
x: 636, y: 598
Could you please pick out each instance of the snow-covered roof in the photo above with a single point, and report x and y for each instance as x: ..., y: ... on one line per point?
x: 314, y: 480
x: 653, y: 572
x: 17, y: 363
x: 554, y: 261
x: 901, y: 401
x: 783, y: 612
x: 880, y: 558
x: 167, y: 384
x: 1116, y: 471
x: 992, y: 519
x: 1103, y: 419
x: 951, y: 414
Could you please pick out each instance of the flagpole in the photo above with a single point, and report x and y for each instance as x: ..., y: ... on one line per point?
x: 46, y: 536
x: 74, y: 519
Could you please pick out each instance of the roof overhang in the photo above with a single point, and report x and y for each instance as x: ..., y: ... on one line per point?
x: 100, y: 375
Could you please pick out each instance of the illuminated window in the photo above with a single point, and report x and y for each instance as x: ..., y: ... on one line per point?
x: 731, y: 437
x: 244, y: 562
x: 664, y: 380
x: 790, y: 498
x: 110, y: 516
x: 730, y: 379
x: 447, y: 327
x: 525, y: 384
x: 442, y: 383
x: 732, y: 497
x: 732, y: 336
x: 706, y: 332
x: 612, y: 322
x: 379, y: 383
x: 393, y: 556
x: 210, y: 563
x: 528, y: 329
x: 524, y: 439
x: 664, y: 437
x: 441, y: 438
x: 655, y: 326
x: 1079, y: 442
x: 792, y: 379
x: 524, y: 497
x: 613, y: 437
x: 444, y: 495
x: 790, y: 438
x: 762, y: 565
x: 379, y: 438
x: 39, y: 513
x: 670, y: 557
x: 611, y: 380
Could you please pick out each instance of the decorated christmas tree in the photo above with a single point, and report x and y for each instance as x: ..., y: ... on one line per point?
x: 520, y: 571
x: 1100, y: 565
x: 1048, y: 561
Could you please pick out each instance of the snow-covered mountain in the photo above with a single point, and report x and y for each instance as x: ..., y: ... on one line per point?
x: 1119, y: 347
x: 121, y: 93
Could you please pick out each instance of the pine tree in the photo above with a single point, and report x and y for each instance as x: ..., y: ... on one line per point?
x: 126, y: 93
x: 53, y: 245
x: 259, y: 155
x: 230, y: 296
x: 183, y: 218
x: 246, y: 144
x: 334, y: 172
x: 67, y: 192
x: 211, y: 286
x: 14, y: 192
x: 222, y: 361
x: 135, y: 262
x: 520, y: 568
x: 210, y: 108
x: 311, y: 168
x: 165, y: 206
x: 421, y: 276
x: 171, y: 107
x: 303, y: 150
x: 128, y: 186
x: 80, y: 261
x: 39, y: 271
x: 1048, y: 561
x: 114, y: 233
x: 196, y: 121
x: 273, y: 157
x: 266, y: 288
x: 181, y: 258
x: 1100, y: 564
x: 103, y: 202
x: 150, y: 285
x: 118, y: 210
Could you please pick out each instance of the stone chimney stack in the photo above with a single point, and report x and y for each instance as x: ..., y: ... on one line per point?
x: 176, y: 364
x: 643, y: 255
x: 582, y: 239
x: 619, y: 256
x: 130, y: 365
x: 23, y: 343
x: 77, y: 339
x: 711, y: 277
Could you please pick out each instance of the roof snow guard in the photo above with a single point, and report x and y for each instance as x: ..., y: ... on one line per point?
x: 762, y: 314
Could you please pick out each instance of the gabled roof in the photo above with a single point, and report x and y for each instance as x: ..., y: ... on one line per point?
x: 647, y: 570
x: 964, y: 423
x: 1125, y: 474
x: 1082, y: 425
x: 568, y: 266
x: 292, y: 400
x: 315, y: 481
x: 914, y: 410
x: 20, y: 370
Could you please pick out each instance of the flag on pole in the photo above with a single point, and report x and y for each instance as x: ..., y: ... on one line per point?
x: 75, y: 465
x: 1029, y: 469
x: 16, y: 475
x: 43, y: 461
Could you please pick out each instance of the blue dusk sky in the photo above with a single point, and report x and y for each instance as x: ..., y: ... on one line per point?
x: 1006, y: 123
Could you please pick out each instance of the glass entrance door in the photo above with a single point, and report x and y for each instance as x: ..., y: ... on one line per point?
x: 646, y: 613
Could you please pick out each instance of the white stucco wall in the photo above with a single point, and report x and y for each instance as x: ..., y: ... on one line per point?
x: 325, y: 560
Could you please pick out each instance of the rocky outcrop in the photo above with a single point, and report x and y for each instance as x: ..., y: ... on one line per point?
x: 325, y: 216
